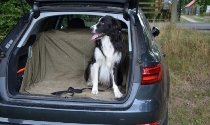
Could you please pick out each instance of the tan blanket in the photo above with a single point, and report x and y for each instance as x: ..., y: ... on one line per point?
x: 59, y: 58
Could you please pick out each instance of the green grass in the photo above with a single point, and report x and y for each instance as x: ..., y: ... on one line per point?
x: 196, y: 18
x: 187, y: 55
x: 184, y: 21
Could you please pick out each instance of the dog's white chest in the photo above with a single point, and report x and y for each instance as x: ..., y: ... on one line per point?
x: 107, y: 55
x: 106, y: 59
x: 107, y: 47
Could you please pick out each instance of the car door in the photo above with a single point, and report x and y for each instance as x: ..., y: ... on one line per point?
x: 7, y: 46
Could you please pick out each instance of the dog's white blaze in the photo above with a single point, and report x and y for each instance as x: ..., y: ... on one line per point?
x: 94, y: 26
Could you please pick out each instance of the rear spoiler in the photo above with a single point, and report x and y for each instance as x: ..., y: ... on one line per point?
x: 127, y: 4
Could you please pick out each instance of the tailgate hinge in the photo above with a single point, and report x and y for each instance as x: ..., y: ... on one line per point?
x: 125, y: 12
x: 137, y: 7
x: 36, y: 10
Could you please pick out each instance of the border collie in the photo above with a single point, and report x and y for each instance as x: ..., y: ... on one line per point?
x: 104, y: 66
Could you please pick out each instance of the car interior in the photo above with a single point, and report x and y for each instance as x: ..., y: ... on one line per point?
x: 55, y: 56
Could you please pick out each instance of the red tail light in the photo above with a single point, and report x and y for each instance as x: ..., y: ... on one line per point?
x: 154, y: 123
x: 151, y: 75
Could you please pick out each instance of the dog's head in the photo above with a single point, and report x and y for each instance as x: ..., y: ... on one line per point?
x: 106, y: 25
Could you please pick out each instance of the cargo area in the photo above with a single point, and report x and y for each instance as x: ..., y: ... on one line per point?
x: 56, y: 59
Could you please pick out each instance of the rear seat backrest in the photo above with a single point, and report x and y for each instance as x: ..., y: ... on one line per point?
x: 76, y: 23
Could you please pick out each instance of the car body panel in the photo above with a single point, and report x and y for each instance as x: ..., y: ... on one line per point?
x: 143, y: 103
x: 133, y: 115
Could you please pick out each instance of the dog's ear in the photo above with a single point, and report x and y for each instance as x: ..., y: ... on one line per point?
x: 116, y: 24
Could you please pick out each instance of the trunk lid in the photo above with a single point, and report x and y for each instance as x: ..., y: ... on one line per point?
x: 132, y: 3
x: 125, y: 4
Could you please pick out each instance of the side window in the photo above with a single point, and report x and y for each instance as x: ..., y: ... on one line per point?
x: 76, y: 21
x: 51, y: 21
x: 148, y: 33
x: 64, y: 23
x: 146, y: 27
x: 72, y: 21
x: 88, y: 20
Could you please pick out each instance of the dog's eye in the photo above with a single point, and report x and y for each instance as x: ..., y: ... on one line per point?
x: 102, y: 23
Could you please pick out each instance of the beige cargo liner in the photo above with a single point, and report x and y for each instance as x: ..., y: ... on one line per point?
x: 58, y: 60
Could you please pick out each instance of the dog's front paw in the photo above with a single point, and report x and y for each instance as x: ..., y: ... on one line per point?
x: 118, y: 94
x: 94, y: 91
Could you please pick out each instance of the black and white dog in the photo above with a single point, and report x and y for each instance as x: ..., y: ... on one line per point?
x: 104, y: 65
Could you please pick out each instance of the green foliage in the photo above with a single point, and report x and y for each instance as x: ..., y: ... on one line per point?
x: 204, y: 4
x: 10, y: 13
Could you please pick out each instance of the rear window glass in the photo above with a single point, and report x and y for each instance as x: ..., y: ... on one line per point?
x: 72, y: 21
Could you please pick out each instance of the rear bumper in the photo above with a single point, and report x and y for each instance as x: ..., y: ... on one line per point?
x: 36, y: 115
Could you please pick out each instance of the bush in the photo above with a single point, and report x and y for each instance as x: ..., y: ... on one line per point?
x: 10, y: 13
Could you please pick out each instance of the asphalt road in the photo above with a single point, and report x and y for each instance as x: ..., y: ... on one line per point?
x: 197, y: 26
x: 193, y: 24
